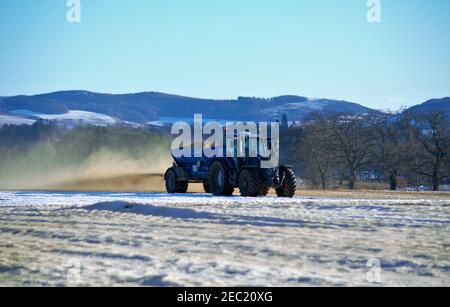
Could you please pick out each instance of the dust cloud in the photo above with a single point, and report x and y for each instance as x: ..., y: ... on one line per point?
x: 44, y: 168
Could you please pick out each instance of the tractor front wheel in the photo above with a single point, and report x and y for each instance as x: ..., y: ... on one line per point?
x: 289, y: 186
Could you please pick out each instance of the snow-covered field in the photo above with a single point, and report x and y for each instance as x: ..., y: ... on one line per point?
x: 198, y: 240
x: 73, y: 117
x: 14, y: 120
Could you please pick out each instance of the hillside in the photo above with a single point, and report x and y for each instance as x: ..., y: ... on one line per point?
x: 434, y: 104
x: 150, y: 106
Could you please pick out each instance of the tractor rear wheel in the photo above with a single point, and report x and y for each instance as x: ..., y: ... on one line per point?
x: 289, y: 186
x: 219, y: 180
x: 250, y: 183
x: 172, y: 185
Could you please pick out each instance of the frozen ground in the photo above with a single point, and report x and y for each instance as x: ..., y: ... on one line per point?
x: 197, y: 240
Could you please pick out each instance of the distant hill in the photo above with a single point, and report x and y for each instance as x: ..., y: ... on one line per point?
x: 434, y: 105
x: 150, y: 106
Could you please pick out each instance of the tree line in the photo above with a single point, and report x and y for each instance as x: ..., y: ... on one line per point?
x: 81, y: 140
x: 407, y: 146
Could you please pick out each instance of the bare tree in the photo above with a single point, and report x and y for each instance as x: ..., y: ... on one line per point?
x: 352, y: 144
x: 415, y: 146
x: 317, y: 151
x: 391, y: 145
x: 431, y: 145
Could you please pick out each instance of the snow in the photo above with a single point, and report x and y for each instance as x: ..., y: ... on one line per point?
x: 74, y: 117
x: 85, y: 117
x: 14, y: 120
x: 153, y: 239
x: 443, y: 188
x: 306, y: 106
x: 163, y: 121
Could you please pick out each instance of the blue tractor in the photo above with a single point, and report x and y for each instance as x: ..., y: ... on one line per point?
x: 222, y: 175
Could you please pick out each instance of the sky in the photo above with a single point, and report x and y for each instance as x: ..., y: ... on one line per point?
x: 230, y: 48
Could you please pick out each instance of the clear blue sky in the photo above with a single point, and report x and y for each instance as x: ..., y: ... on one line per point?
x: 227, y: 48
